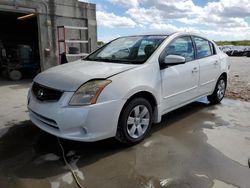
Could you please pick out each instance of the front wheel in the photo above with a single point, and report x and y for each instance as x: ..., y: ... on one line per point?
x: 219, y: 91
x: 135, y: 121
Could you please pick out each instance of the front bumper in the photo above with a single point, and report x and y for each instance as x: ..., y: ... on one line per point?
x: 81, y: 123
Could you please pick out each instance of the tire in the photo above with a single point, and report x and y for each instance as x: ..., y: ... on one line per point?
x: 135, y: 121
x: 15, y: 75
x: 219, y: 91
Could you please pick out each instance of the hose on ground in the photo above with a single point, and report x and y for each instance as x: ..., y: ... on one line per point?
x: 68, y: 165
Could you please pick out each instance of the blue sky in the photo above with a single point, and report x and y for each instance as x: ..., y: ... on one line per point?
x: 216, y: 19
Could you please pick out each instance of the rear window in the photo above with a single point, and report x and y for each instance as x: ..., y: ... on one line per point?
x: 203, y: 47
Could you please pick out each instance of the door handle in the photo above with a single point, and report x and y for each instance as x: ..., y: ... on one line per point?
x: 195, y: 70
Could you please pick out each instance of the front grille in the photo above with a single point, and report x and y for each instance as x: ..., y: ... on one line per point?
x: 44, y: 93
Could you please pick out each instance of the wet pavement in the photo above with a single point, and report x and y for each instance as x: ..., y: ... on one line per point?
x: 198, y: 145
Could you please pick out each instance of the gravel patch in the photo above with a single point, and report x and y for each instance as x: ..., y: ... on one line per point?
x: 239, y: 79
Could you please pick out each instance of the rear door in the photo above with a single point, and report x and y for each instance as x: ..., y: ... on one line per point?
x: 209, y: 65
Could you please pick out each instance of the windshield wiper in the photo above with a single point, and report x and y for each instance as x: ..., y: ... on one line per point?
x: 108, y: 60
x: 100, y: 59
x: 105, y: 60
x: 123, y: 61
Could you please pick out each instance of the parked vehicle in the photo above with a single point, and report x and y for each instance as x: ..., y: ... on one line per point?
x: 229, y: 52
x: 246, y: 52
x: 123, y: 87
x: 237, y: 53
x: 236, y: 50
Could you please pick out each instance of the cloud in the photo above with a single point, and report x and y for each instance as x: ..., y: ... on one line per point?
x: 107, y: 38
x: 145, y: 16
x: 111, y: 20
x: 219, y: 34
x: 214, y: 20
x: 227, y: 13
x: 126, y: 3
x: 220, y: 14
x: 229, y: 8
x: 164, y: 10
x: 86, y: 1
x: 220, y: 18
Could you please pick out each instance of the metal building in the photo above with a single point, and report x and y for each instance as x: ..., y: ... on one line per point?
x: 37, y: 32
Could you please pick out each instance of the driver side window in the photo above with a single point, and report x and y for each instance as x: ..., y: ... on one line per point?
x: 182, y: 46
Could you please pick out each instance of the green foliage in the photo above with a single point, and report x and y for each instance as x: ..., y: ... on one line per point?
x: 235, y: 43
x: 100, y: 43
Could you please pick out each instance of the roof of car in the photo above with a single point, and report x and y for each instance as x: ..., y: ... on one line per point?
x: 170, y: 33
x: 153, y: 34
x: 165, y: 33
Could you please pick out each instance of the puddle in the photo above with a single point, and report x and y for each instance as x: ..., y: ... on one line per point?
x: 202, y: 176
x: 46, y: 158
x: 148, y: 143
x: 221, y: 184
x: 195, y: 146
x: 166, y: 182
x: 55, y: 184
x: 67, y: 178
x: 232, y: 144
x: 230, y: 136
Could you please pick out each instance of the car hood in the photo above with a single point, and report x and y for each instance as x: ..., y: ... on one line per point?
x: 70, y: 76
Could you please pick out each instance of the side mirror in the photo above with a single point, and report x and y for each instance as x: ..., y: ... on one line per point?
x: 174, y: 60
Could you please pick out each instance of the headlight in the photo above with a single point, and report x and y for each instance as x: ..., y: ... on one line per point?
x: 88, y: 93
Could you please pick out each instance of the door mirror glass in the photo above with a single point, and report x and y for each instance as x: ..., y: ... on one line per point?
x: 174, y: 60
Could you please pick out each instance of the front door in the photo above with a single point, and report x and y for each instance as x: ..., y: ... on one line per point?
x: 179, y: 82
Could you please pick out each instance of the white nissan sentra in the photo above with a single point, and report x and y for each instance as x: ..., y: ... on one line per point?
x: 122, y: 88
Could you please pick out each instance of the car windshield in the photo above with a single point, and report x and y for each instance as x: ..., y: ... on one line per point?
x: 129, y: 50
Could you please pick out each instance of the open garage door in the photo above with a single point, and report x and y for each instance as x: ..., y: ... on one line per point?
x: 19, y: 46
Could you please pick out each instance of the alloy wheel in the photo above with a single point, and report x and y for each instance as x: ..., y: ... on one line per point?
x: 138, y: 121
x: 221, y: 89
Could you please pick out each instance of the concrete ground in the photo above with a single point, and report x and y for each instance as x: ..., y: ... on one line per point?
x: 198, y: 145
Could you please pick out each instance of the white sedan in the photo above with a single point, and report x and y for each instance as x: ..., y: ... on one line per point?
x: 122, y: 88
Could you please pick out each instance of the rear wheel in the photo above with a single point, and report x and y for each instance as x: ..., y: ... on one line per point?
x: 135, y: 121
x: 219, y: 91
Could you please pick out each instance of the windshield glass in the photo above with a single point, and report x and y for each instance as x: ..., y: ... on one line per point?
x: 130, y: 50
